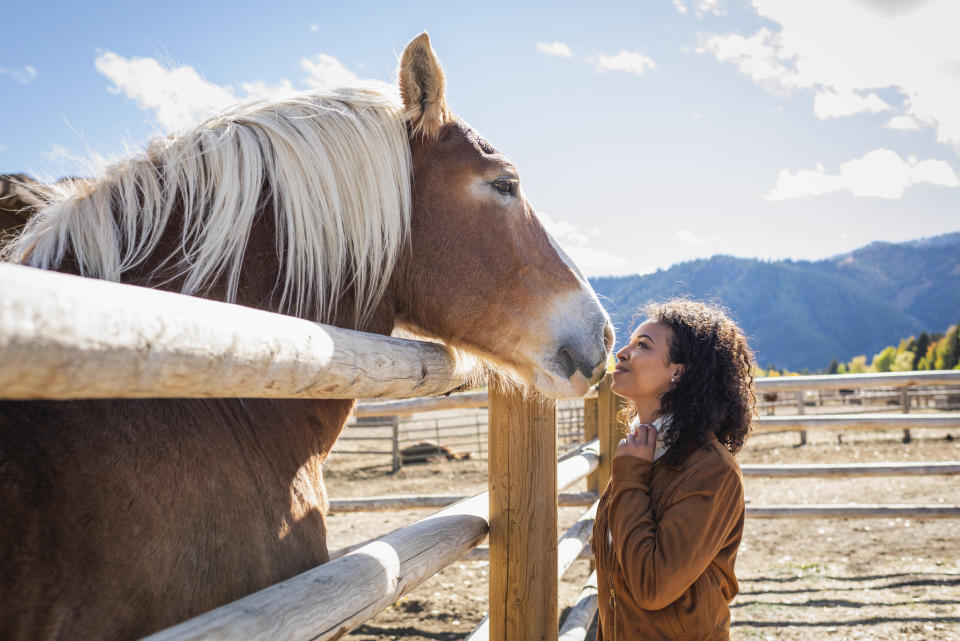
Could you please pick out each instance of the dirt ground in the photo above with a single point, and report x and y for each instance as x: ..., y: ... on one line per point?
x: 800, y: 579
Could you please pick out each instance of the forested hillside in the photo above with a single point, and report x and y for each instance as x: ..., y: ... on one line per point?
x: 802, y: 314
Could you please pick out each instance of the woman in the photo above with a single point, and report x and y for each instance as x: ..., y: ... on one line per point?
x: 669, y: 523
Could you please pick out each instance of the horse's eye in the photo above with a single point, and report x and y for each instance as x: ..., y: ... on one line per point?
x: 506, y: 187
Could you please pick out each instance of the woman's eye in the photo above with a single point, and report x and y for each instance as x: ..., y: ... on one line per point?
x: 506, y: 187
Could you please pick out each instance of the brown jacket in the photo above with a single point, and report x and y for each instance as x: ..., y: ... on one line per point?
x: 675, y: 533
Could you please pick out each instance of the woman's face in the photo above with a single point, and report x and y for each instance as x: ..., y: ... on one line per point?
x: 644, y: 369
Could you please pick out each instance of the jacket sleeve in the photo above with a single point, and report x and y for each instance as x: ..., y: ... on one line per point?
x: 661, y: 559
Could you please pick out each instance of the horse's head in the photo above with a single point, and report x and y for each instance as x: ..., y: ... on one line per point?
x: 484, y: 274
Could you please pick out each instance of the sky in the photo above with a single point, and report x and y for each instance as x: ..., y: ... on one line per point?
x: 646, y: 133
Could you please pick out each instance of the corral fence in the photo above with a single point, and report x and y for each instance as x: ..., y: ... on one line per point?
x: 418, y: 430
x: 413, y: 431
x: 66, y: 337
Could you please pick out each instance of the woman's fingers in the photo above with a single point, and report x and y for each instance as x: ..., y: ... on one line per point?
x: 644, y: 433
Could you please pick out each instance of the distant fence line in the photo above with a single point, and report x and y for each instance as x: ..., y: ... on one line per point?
x: 390, y: 428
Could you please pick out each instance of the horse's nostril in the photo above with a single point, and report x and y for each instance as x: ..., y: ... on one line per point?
x: 568, y: 364
x: 570, y: 361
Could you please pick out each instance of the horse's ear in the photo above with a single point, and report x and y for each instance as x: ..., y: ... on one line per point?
x: 421, y: 88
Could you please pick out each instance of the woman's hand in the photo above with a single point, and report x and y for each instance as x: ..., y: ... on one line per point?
x: 641, y: 442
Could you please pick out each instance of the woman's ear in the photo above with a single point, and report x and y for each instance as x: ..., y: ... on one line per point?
x: 422, y: 88
x: 677, y: 371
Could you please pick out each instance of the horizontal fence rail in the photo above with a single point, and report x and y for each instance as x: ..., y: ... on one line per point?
x: 469, y: 400
x: 858, y: 511
x: 787, y: 470
x: 65, y: 337
x: 855, y: 381
x: 396, y: 502
x: 856, y: 422
x: 761, y: 385
x: 332, y: 599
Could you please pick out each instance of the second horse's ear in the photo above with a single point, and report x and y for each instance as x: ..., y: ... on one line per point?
x: 422, y: 88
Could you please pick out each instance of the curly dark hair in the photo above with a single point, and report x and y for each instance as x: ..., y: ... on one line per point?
x: 715, y: 391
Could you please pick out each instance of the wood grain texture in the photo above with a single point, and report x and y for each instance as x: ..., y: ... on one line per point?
x: 523, y: 517
x: 65, y: 337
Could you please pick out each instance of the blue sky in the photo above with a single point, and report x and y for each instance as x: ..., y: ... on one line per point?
x: 646, y: 133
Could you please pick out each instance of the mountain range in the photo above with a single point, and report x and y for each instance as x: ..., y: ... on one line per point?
x: 801, y: 314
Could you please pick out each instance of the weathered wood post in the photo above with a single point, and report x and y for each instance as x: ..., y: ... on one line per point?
x: 801, y: 409
x: 905, y: 406
x: 522, y: 464
x: 591, y: 431
x: 395, y: 437
x: 609, y: 428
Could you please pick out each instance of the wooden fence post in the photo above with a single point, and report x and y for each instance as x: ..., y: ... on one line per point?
x: 609, y: 428
x: 522, y: 455
x: 395, y: 424
x: 801, y: 409
x: 905, y: 406
x: 591, y: 431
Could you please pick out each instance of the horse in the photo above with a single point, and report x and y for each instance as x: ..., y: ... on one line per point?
x: 352, y: 206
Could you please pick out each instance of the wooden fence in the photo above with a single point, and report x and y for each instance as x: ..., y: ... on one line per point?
x: 67, y: 337
x: 388, y: 428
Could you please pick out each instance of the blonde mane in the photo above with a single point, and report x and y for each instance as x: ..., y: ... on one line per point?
x: 332, y: 168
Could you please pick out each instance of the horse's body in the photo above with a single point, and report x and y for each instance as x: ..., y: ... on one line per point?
x: 123, y: 517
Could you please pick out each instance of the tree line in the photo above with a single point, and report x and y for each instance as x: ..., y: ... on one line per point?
x: 923, y: 352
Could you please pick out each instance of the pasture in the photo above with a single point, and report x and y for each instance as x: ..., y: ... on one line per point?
x: 800, y: 578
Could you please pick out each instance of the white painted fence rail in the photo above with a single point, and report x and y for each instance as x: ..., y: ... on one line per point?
x: 64, y: 337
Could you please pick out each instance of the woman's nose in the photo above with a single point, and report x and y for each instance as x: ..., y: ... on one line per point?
x: 622, y: 354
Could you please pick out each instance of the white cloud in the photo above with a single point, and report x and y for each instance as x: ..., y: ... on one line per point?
x: 880, y: 173
x: 701, y: 8
x: 314, y: 27
x: 23, y: 76
x: 629, y: 61
x: 847, y: 46
x: 903, y: 123
x: 325, y: 71
x: 260, y: 89
x: 830, y: 104
x: 759, y: 56
x: 178, y: 97
x: 554, y: 49
x: 2, y: 147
